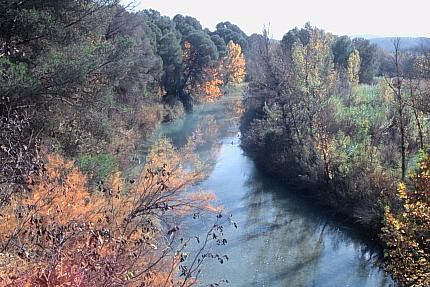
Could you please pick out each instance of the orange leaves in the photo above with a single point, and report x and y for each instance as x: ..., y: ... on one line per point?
x: 210, y: 90
x: 61, y: 195
x: 62, y: 233
x: 234, y: 64
x: 44, y: 222
x: 231, y: 68
x: 212, y: 77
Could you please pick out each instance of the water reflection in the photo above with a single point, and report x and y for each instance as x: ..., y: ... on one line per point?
x: 281, y: 240
x: 299, y: 246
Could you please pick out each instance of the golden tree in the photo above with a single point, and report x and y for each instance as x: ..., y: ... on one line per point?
x: 406, y: 233
x: 211, y: 89
x: 234, y: 64
x: 354, y: 68
x: 314, y: 76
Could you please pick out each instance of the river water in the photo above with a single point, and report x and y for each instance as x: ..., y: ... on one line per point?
x: 281, y: 239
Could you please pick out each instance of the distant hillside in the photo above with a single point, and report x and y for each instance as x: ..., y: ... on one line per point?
x: 366, y: 36
x: 406, y: 43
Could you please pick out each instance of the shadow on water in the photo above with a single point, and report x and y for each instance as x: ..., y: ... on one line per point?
x: 282, y: 239
x: 291, y: 201
x: 308, y: 240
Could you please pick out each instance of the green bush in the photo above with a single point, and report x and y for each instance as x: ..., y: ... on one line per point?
x: 99, y: 165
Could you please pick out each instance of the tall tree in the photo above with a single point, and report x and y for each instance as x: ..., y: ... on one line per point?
x: 354, y: 67
x: 314, y: 76
x: 220, y: 44
x: 353, y: 71
x: 170, y: 52
x: 293, y: 36
x: 342, y: 48
x: 231, y: 32
x: 199, y: 53
x: 186, y: 25
x: 369, y: 59
x: 396, y: 85
x: 234, y: 64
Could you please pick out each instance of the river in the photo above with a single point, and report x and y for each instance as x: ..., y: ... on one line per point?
x: 281, y: 239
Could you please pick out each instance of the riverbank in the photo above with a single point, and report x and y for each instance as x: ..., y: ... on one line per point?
x: 325, y: 196
x: 281, y: 239
x: 341, y: 162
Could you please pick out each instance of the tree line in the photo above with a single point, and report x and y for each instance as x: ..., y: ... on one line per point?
x: 82, y: 84
x: 329, y: 116
x: 91, y: 77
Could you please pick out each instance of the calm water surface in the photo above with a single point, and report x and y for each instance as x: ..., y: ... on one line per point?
x: 281, y: 239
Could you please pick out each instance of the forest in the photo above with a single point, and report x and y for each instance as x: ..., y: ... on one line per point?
x: 83, y: 83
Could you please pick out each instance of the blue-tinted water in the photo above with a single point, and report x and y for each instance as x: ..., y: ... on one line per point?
x: 281, y: 240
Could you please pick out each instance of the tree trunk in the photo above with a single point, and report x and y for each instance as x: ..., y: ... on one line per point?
x: 398, y: 92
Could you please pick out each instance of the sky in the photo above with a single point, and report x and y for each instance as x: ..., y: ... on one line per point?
x: 340, y: 17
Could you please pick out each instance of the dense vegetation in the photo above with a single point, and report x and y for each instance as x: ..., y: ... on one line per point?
x: 82, y: 83
x: 318, y: 116
x: 77, y: 69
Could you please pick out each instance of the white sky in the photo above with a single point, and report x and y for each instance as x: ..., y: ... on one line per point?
x: 350, y: 17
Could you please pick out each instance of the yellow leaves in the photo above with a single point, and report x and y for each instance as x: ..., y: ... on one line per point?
x: 407, y: 252
x: 299, y: 64
x: 354, y: 67
x: 313, y: 69
x: 234, y: 64
x: 401, y: 189
x: 386, y: 92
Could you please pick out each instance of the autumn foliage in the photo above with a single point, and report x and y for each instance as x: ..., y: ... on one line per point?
x: 63, y: 234
x: 234, y: 64
x: 310, y: 121
x: 213, y: 76
x: 211, y: 89
x: 406, y: 232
